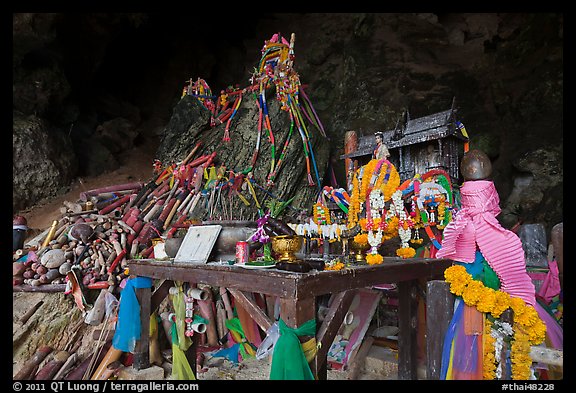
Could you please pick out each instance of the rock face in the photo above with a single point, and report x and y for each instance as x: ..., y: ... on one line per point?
x: 504, y: 71
x: 43, y: 163
x: 190, y: 125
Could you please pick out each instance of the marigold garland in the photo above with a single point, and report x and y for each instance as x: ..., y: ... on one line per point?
x: 489, y: 363
x: 354, y: 207
x: 391, y: 228
x: 520, y: 354
x: 361, y: 238
x: 501, y: 303
x: 529, y: 329
x: 406, y: 252
x: 374, y: 259
x: 338, y: 265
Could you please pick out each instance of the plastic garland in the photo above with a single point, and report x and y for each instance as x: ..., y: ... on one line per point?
x: 276, y: 67
x: 528, y: 328
x: 321, y: 214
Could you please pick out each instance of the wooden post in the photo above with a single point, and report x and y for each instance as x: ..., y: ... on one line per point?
x: 295, y: 311
x: 350, y: 146
x: 558, y: 245
x: 439, y: 311
x: 408, y: 325
x: 159, y: 294
x: 141, y: 350
x: 270, y: 304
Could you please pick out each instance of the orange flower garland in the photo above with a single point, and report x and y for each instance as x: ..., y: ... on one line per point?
x: 387, y: 180
x: 406, y: 252
x: 391, y: 227
x: 361, y: 183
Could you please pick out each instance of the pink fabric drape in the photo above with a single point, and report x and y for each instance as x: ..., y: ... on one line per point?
x: 475, y: 225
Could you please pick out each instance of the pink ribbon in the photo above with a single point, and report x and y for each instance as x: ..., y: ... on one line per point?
x: 475, y: 226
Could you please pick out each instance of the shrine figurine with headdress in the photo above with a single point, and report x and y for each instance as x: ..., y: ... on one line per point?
x: 381, y: 152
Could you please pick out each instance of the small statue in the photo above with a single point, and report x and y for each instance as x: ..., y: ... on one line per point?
x: 381, y: 152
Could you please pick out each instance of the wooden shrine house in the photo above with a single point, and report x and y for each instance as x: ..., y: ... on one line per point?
x: 418, y: 145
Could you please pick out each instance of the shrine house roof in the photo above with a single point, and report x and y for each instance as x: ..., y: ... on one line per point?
x: 423, y: 129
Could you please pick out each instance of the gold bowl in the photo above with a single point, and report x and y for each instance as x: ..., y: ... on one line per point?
x: 285, y: 246
x: 358, y: 250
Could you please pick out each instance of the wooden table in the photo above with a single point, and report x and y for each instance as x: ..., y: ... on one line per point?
x: 297, y: 293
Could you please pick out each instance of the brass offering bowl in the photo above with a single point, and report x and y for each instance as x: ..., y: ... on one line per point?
x: 358, y: 250
x: 286, y: 246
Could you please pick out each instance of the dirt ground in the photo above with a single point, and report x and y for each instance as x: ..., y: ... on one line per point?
x: 136, y: 166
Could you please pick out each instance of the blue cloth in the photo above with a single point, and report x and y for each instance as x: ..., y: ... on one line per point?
x: 476, y: 268
x: 229, y: 353
x: 128, y: 327
x: 448, y: 339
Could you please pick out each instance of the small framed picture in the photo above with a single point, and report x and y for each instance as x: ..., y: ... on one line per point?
x: 197, y: 244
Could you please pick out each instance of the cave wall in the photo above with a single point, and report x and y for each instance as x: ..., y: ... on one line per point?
x: 105, y: 82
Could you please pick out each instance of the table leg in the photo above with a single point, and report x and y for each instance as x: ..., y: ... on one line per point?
x: 408, y: 329
x: 339, y: 305
x: 440, y: 309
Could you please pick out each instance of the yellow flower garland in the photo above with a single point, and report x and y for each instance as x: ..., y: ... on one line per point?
x: 489, y: 363
x: 361, y: 238
x: 335, y: 266
x: 354, y: 207
x: 391, y: 227
x: 321, y: 214
x: 406, y: 252
x: 528, y: 328
x: 520, y: 354
x: 374, y: 259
